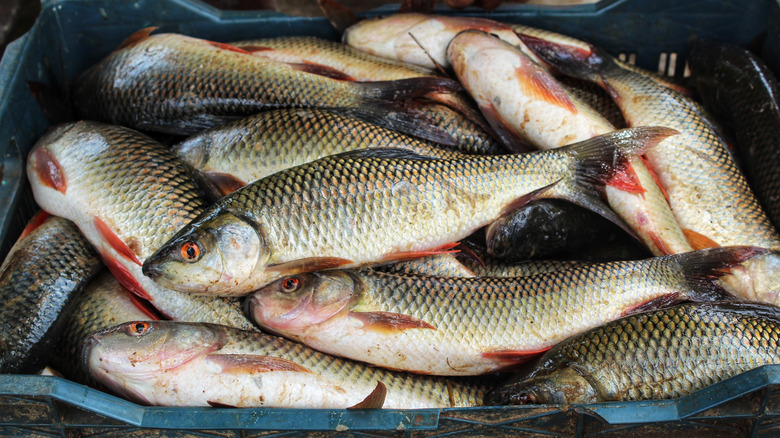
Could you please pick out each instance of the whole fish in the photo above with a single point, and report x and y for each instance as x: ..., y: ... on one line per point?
x: 471, y: 326
x: 246, y: 150
x: 177, y: 84
x: 103, y: 303
x: 655, y: 355
x: 128, y: 194
x: 184, y: 364
x: 44, y: 269
x: 521, y: 99
x: 707, y: 192
x: 374, y: 206
x: 739, y: 87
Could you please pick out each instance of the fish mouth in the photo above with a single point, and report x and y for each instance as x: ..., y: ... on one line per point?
x: 86, y: 350
x: 151, y: 269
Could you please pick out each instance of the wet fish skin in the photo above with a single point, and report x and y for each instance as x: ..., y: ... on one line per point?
x: 103, y: 303
x: 206, y: 364
x: 471, y: 326
x: 127, y: 194
x: 43, y: 272
x: 739, y: 87
x: 382, y: 205
x: 177, y: 84
x: 655, y: 355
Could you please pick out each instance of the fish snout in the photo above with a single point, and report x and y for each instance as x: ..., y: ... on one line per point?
x: 151, y: 270
x: 86, y: 349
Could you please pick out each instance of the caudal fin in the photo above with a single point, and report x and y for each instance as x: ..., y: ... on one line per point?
x: 702, y: 268
x: 602, y: 161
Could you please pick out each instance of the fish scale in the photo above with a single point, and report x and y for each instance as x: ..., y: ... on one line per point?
x: 467, y: 326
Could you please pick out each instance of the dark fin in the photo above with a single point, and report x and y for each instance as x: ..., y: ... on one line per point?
x: 219, y: 405
x: 375, y: 400
x: 56, y: 106
x: 597, y: 160
x: 506, y: 135
x: 655, y: 177
x: 37, y: 220
x: 224, y: 182
x: 411, y: 255
x: 225, y: 46
x: 322, y: 70
x: 407, y: 120
x: 339, y: 16
x: 49, y: 170
x: 309, y: 265
x: 467, y: 252
x: 659, y: 303
x: 698, y: 240
x: 114, y: 241
x: 124, y: 277
x: 144, y: 306
x: 137, y: 37
x: 416, y: 6
x: 388, y: 322
x: 254, y: 363
x: 701, y: 268
x: 525, y: 199
x: 393, y: 91
x: 571, y: 60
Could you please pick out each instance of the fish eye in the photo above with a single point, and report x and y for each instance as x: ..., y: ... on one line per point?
x: 138, y: 328
x: 290, y: 284
x: 190, y: 252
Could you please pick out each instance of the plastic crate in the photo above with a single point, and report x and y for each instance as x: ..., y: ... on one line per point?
x: 70, y: 35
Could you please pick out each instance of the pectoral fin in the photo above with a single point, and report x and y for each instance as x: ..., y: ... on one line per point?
x: 375, y: 400
x: 253, y: 363
x: 388, y: 322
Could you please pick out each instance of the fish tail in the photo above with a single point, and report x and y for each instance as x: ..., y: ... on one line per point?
x: 392, y: 105
x: 602, y: 161
x: 702, y: 268
x: 585, y: 61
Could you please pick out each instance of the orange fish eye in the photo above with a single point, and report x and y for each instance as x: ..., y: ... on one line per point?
x: 139, y: 328
x: 190, y: 251
x: 289, y: 284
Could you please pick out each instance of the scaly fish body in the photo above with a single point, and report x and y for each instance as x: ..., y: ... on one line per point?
x: 127, y: 194
x: 707, y: 192
x: 103, y: 303
x: 375, y: 206
x: 521, y: 99
x: 655, y: 355
x: 178, y: 84
x: 44, y: 269
x: 180, y: 364
x: 470, y: 326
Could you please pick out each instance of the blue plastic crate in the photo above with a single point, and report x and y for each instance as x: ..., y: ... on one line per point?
x: 70, y: 35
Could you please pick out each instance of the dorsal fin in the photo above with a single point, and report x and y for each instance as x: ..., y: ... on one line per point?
x: 137, y: 37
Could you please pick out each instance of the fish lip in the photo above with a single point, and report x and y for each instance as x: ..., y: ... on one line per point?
x: 249, y: 304
x: 151, y: 270
x: 86, y: 349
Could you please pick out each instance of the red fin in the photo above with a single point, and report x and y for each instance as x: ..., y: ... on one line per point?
x: 339, y: 16
x: 389, y: 322
x: 525, y: 199
x: 137, y: 37
x: 309, y: 265
x: 115, y: 242
x: 322, y: 70
x: 697, y: 240
x: 411, y: 255
x: 375, y: 400
x: 506, y: 135
x: 625, y: 179
x: 655, y: 177
x: 124, y: 277
x: 49, y: 171
x: 254, y: 363
x: 252, y: 49
x: 655, y: 304
x: 541, y: 86
x: 34, y: 223
x: 214, y: 404
x: 660, y: 244
x: 513, y: 357
x: 143, y: 306
x: 226, y: 46
x: 225, y: 182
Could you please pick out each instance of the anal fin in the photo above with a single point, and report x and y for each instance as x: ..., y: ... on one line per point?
x: 375, y: 400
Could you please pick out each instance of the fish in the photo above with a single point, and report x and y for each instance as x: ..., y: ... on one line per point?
x: 737, y: 86
x: 103, y: 303
x: 246, y: 150
x: 439, y: 265
x: 178, y: 84
x: 656, y: 355
x: 497, y: 268
x: 708, y: 194
x: 595, y: 97
x: 47, y: 266
x: 471, y: 326
x: 372, y: 207
x: 521, y: 100
x: 127, y: 194
x: 195, y: 364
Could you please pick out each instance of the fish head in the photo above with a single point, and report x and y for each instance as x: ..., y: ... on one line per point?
x: 128, y: 357
x: 215, y: 254
x: 563, y: 386
x: 295, y: 303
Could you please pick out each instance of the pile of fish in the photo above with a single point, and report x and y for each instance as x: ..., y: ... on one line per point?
x: 340, y: 226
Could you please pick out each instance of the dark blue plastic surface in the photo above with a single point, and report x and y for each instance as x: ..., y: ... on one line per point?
x: 70, y: 35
